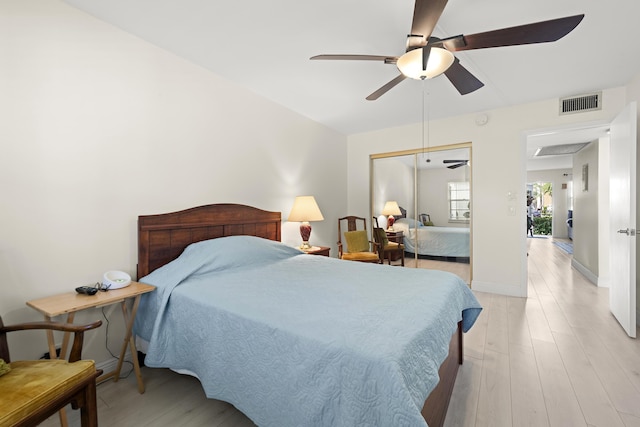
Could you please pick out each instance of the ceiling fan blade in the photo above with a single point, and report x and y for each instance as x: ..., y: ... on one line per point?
x: 456, y: 166
x: 454, y: 161
x: 539, y: 32
x: 462, y: 79
x: 339, y: 57
x: 384, y: 89
x: 425, y: 16
x: 426, y: 51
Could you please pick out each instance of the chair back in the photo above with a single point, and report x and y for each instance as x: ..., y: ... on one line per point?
x: 425, y: 219
x: 386, y: 249
x: 352, y: 223
x: 4, y: 346
x: 378, y: 234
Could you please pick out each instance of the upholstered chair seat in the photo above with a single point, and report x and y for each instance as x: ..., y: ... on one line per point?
x: 33, y: 384
x: 33, y: 390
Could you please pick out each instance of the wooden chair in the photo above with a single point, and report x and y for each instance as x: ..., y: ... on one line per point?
x: 425, y: 219
x: 387, y: 248
x: 359, y: 247
x: 34, y: 390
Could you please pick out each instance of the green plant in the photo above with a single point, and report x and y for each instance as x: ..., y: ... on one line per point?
x: 542, y: 225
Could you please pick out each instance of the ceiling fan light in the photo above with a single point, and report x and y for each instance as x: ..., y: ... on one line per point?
x: 410, y: 64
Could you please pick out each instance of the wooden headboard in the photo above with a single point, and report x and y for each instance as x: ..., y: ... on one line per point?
x: 163, y: 237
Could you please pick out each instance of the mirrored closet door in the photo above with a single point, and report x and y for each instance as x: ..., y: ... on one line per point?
x: 432, y: 189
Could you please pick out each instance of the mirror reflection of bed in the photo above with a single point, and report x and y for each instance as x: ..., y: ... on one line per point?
x: 436, y: 202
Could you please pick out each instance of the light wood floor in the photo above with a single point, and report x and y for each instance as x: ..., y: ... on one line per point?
x: 557, y: 358
x: 460, y: 268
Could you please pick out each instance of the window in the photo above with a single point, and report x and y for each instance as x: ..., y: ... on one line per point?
x: 459, y: 196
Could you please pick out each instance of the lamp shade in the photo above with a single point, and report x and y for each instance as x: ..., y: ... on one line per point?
x: 305, y: 208
x: 391, y: 208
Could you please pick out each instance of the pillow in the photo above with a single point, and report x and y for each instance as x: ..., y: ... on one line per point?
x: 381, y: 236
x: 4, y: 367
x: 410, y: 222
x: 357, y: 241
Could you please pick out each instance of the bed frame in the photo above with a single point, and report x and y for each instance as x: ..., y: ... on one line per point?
x: 163, y: 237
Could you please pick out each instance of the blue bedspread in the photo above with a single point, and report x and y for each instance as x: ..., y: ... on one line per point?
x: 299, y: 340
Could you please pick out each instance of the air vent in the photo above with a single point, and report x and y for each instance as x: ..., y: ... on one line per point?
x: 580, y: 104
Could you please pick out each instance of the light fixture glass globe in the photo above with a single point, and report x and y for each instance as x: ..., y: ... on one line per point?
x: 410, y: 64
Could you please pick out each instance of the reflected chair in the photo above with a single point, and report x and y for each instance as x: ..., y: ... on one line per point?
x: 387, y: 248
x: 34, y: 390
x: 358, y: 245
x: 425, y: 219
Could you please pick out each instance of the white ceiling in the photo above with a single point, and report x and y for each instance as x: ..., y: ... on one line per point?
x: 266, y: 45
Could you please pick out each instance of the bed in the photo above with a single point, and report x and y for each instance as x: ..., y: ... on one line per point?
x: 433, y: 240
x: 293, y: 339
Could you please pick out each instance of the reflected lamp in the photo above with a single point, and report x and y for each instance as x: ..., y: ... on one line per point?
x: 390, y: 209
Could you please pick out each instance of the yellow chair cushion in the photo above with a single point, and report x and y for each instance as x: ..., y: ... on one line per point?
x: 360, y: 256
x: 392, y: 246
x: 357, y: 241
x: 34, y: 383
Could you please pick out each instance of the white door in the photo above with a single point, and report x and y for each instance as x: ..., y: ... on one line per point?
x: 622, y: 291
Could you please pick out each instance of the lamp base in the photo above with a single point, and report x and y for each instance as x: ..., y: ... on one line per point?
x: 390, y: 221
x: 305, y: 246
x: 305, y: 233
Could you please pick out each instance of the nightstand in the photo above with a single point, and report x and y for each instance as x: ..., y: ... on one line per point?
x: 397, y: 237
x: 318, y: 250
x: 71, y: 302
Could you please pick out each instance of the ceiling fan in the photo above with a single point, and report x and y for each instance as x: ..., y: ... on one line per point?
x: 427, y: 56
x: 456, y: 163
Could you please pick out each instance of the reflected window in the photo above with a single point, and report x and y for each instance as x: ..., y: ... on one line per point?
x: 459, y: 196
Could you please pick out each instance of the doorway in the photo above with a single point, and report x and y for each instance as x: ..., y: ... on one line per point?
x: 540, y: 209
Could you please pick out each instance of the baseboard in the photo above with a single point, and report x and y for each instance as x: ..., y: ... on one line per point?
x: 110, y: 365
x: 603, y: 281
x: 496, y: 288
x: 584, y: 271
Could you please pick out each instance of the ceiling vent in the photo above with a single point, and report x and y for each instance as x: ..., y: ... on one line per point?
x: 581, y: 103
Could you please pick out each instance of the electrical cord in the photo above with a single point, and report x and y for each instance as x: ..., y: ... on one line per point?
x: 106, y: 345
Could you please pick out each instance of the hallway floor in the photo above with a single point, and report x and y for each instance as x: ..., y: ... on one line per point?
x: 556, y: 358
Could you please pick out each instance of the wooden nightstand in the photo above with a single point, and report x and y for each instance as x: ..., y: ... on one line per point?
x: 71, y: 302
x: 397, y: 237
x: 318, y: 250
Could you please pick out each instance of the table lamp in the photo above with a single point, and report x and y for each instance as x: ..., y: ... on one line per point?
x: 305, y: 209
x: 391, y: 208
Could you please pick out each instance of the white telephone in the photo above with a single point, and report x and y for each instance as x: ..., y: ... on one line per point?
x: 116, y: 279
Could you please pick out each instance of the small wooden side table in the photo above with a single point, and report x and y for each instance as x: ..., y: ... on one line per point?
x: 318, y: 250
x: 71, y: 302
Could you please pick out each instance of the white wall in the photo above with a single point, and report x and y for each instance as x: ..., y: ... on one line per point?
x: 392, y: 180
x: 585, y: 211
x: 499, y: 245
x: 99, y: 127
x: 433, y: 194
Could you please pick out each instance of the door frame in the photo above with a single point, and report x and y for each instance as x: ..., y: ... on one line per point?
x: 589, y: 130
